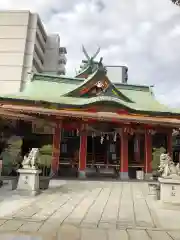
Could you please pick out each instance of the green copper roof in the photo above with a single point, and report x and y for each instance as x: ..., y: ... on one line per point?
x: 143, y: 96
x: 49, y: 86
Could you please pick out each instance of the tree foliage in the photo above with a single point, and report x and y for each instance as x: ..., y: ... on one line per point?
x: 177, y: 2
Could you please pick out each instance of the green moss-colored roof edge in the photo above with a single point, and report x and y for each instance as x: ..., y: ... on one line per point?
x: 78, y: 103
x: 56, y: 77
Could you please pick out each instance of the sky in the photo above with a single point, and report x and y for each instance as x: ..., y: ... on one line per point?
x: 142, y: 34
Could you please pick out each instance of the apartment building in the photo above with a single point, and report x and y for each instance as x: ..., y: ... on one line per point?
x: 26, y: 47
x: 55, y: 56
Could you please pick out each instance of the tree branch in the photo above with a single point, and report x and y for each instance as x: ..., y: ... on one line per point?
x: 177, y: 2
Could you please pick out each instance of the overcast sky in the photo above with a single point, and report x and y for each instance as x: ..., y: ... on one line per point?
x: 143, y: 34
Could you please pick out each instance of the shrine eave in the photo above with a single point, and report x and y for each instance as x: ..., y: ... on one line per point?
x: 6, y: 114
x: 81, y: 103
x: 100, y: 116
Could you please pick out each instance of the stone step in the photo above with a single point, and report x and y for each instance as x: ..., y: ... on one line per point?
x: 107, y: 171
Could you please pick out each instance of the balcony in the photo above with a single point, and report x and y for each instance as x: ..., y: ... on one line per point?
x: 61, y: 70
x: 62, y: 50
x: 62, y: 61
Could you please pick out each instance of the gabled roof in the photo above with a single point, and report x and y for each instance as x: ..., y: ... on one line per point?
x: 65, y: 91
x: 49, y: 86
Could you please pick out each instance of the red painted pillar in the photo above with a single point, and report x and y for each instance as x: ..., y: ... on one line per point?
x: 137, y: 148
x: 124, y: 155
x: 56, y: 147
x: 148, y: 153
x: 82, y: 152
x: 169, y: 143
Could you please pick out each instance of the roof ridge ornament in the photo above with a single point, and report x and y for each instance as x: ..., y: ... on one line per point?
x: 90, y: 59
x: 85, y: 53
x: 90, y: 62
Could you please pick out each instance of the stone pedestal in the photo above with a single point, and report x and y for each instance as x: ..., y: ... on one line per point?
x: 106, y: 172
x: 140, y: 175
x: 170, y: 190
x: 28, y: 183
x: 91, y: 172
x: 148, y: 176
x: 82, y: 174
x: 124, y: 176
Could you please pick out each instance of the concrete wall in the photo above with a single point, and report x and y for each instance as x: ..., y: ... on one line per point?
x: 13, y: 34
x: 117, y: 74
x: 54, y: 61
x: 24, y: 47
x: 52, y: 54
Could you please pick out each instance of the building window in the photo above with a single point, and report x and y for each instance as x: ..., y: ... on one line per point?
x: 38, y: 54
x: 40, y: 43
x: 62, y: 50
x: 62, y: 61
x: 42, y: 30
x: 36, y: 66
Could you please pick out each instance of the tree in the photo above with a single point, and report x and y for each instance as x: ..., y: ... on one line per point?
x: 177, y: 2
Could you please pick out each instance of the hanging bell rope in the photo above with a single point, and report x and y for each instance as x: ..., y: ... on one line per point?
x: 115, y: 137
x: 102, y: 139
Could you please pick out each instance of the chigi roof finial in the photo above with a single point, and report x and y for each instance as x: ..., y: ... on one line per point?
x: 87, y: 55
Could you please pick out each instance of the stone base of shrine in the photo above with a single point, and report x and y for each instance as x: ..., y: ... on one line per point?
x: 82, y: 174
x: 28, y: 183
x: 148, y: 176
x: 169, y: 190
x: 124, y: 175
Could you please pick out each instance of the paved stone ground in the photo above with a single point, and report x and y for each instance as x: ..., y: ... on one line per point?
x: 86, y: 210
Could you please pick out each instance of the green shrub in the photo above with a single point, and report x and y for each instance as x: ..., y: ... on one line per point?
x: 45, y: 156
x: 46, y: 149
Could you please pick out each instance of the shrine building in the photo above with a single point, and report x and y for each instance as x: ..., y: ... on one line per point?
x: 98, y: 126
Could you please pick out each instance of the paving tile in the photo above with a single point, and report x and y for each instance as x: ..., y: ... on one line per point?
x: 13, y: 237
x: 49, y: 227
x: 141, y: 209
x: 117, y: 235
x: 126, y: 210
x: 2, y: 221
x: 27, y: 212
x: 30, y: 227
x: 80, y: 211
x: 68, y: 208
x: 11, y: 225
x: 98, y: 205
x: 175, y: 235
x: 68, y: 232
x: 95, y: 234
x: 138, y: 234
x: 156, y: 235
x: 108, y: 225
x: 110, y: 213
x: 95, y: 212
